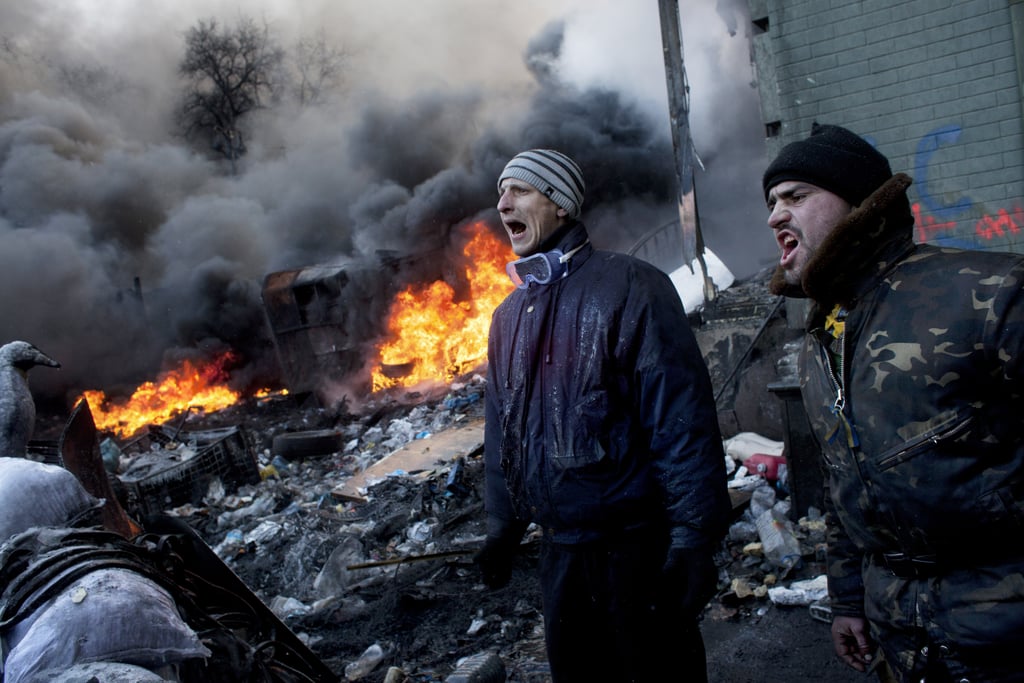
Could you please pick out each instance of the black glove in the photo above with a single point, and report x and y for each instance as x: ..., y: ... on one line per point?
x: 691, y: 578
x: 495, y: 558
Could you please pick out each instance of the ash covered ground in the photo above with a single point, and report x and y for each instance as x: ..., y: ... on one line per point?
x: 304, y: 551
x: 296, y: 547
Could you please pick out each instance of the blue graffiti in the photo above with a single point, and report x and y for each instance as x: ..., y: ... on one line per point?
x: 929, y: 144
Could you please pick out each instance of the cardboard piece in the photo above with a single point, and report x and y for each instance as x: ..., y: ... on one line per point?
x: 421, y: 456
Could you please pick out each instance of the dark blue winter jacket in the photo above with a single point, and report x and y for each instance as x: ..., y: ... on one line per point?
x: 600, y: 413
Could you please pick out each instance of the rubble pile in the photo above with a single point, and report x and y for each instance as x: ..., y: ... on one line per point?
x: 378, y: 580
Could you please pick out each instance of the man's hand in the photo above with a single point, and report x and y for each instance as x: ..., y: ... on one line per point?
x: 495, y: 562
x: 691, y: 575
x: 852, y: 642
x: 495, y: 558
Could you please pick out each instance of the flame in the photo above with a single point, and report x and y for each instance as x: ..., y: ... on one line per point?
x: 188, y: 387
x: 431, y: 334
x: 437, y: 337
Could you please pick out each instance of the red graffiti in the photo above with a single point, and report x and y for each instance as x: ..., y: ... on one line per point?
x: 991, y: 228
x: 929, y: 225
x: 1004, y: 223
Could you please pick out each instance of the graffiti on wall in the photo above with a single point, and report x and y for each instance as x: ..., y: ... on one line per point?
x: 939, y: 218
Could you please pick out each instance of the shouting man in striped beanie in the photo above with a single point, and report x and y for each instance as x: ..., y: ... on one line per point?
x: 601, y: 430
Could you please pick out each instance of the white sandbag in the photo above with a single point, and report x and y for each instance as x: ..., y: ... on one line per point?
x: 37, y: 494
x: 800, y: 593
x: 111, y: 615
x: 745, y: 444
x: 103, y: 672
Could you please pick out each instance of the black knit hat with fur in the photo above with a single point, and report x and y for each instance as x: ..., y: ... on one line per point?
x: 832, y: 158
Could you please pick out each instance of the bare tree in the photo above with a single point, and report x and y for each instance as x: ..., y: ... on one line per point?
x: 229, y: 73
x: 9, y: 51
x: 92, y: 83
x: 319, y: 67
x: 87, y: 82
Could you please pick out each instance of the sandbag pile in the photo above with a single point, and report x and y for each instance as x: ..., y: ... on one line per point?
x: 71, y: 600
x: 34, y: 494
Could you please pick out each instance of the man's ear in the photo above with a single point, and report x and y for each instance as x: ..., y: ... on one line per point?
x: 561, y: 213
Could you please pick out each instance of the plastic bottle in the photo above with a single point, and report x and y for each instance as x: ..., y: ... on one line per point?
x: 366, y: 663
x: 483, y: 667
x: 780, y: 544
x: 762, y: 499
x: 111, y: 455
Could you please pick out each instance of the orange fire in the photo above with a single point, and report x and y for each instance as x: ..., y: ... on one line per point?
x: 433, y: 338
x: 191, y: 386
x: 437, y: 337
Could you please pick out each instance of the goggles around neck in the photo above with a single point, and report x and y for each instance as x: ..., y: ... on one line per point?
x: 541, y: 268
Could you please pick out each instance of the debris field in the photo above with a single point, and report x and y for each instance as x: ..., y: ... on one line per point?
x: 358, y: 531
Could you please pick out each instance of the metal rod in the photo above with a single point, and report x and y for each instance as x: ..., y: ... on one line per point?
x: 410, y: 558
x: 682, y: 142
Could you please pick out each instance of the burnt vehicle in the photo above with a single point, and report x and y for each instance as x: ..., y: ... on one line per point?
x: 326, y: 320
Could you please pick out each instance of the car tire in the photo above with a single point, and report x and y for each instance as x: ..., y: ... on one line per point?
x: 293, y: 445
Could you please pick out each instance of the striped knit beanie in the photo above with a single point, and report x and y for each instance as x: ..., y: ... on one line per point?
x: 554, y: 174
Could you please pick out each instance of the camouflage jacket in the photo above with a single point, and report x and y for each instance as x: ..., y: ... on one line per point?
x: 921, y: 429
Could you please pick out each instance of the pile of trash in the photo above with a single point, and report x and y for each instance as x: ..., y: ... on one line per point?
x: 378, y: 580
x: 384, y: 587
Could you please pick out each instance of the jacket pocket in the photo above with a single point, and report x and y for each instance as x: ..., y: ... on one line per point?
x: 587, y: 442
x: 1008, y: 501
x: 947, y: 427
x: 950, y: 486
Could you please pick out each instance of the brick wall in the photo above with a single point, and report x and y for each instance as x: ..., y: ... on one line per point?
x: 934, y: 84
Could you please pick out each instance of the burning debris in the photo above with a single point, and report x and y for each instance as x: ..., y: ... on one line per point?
x: 439, y: 330
x: 187, y: 387
x: 434, y: 328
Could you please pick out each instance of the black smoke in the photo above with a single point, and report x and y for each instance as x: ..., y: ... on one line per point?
x: 123, y: 250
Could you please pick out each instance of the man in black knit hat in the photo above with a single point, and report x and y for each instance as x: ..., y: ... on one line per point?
x: 912, y: 375
x: 601, y: 429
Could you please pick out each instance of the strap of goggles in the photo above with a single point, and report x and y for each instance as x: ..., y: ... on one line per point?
x: 564, y: 258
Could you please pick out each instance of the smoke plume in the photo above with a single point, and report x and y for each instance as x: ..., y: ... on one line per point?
x: 122, y: 247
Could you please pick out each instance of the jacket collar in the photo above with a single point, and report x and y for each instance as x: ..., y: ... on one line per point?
x: 569, y: 237
x: 566, y: 238
x: 861, y: 248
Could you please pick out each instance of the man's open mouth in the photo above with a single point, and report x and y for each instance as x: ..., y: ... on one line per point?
x: 788, y: 246
x: 515, y: 227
